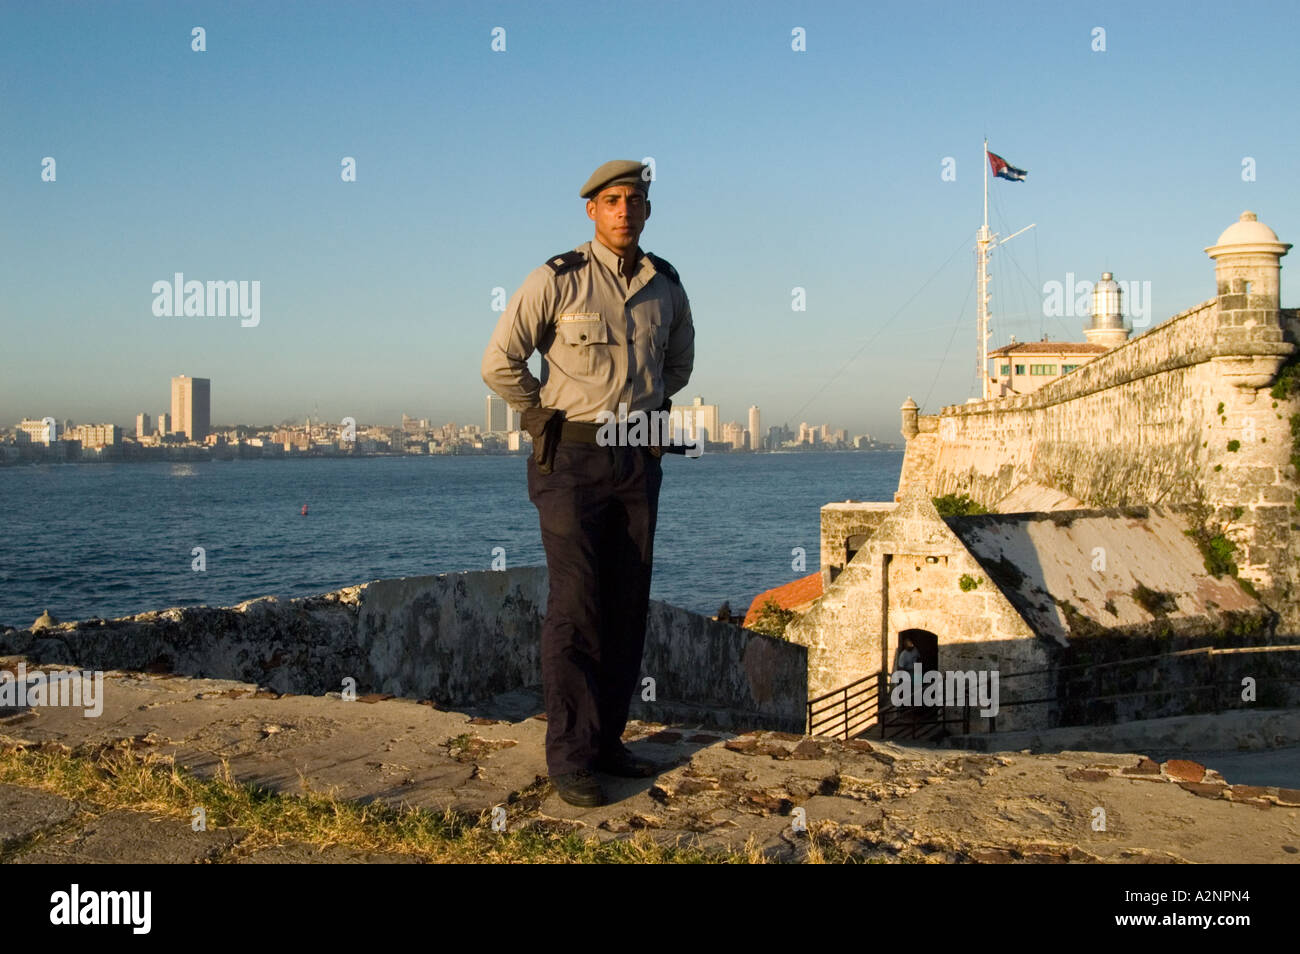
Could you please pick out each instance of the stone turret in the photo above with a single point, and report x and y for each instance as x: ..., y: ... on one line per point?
x: 1247, y: 266
x: 910, y: 426
x: 1248, y: 253
x: 1107, y: 326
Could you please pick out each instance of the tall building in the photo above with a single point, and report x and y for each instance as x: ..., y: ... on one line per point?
x: 699, y: 420
x: 142, y: 425
x: 192, y: 407
x: 734, y: 434
x: 164, y: 424
x: 500, y: 416
x: 755, y: 428
x: 43, y: 431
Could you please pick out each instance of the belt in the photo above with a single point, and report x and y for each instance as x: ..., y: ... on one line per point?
x: 585, y: 433
x: 581, y: 431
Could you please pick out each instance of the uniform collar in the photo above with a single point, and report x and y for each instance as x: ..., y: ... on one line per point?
x: 610, y: 259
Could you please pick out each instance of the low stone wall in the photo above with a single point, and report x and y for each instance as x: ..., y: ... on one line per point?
x: 721, y: 675
x: 457, y: 638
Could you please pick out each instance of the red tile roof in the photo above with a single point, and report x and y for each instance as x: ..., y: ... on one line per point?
x: 792, y: 595
x: 1051, y: 347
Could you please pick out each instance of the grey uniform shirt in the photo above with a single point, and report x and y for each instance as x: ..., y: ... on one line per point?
x: 602, y: 340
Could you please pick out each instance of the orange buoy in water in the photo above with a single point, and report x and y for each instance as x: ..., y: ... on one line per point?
x: 304, y: 510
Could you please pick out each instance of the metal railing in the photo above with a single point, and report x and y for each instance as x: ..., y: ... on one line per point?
x: 846, y: 710
x: 852, y: 708
x: 922, y: 722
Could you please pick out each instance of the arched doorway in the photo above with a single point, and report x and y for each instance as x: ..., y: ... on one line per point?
x: 915, y: 721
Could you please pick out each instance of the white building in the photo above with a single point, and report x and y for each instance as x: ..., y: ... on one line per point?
x: 44, y: 431
x: 699, y: 421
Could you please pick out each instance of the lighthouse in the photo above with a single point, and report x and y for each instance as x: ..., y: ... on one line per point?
x: 1107, y: 326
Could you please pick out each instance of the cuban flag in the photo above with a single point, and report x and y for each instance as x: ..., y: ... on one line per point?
x: 1004, y: 169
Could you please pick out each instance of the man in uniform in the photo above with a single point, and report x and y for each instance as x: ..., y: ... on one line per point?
x: 614, y: 327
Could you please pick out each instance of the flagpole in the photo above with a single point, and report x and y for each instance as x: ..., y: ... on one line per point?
x: 986, y: 184
x: 982, y: 283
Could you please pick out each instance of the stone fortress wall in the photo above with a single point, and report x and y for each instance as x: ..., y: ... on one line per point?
x: 1180, y: 414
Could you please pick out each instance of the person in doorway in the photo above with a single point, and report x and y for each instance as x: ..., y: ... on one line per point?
x: 906, y: 660
x: 906, y: 657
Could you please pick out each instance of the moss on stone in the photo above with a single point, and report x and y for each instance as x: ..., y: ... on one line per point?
x: 1155, y: 602
x: 958, y: 505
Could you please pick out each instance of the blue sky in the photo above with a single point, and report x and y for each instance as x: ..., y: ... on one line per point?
x: 775, y: 169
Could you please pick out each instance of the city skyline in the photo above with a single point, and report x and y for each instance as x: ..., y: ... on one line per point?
x: 497, y: 411
x: 352, y: 263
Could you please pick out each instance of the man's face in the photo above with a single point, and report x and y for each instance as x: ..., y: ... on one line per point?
x: 619, y: 213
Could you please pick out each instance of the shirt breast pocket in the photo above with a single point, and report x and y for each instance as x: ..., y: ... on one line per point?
x: 583, y: 340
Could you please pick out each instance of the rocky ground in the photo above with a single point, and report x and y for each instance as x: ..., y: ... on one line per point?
x: 875, y: 800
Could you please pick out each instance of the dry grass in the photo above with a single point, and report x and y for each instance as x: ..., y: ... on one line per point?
x: 122, y: 776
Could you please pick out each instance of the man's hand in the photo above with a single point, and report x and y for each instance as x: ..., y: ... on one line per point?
x: 535, y: 419
x: 543, y: 423
x: 656, y: 450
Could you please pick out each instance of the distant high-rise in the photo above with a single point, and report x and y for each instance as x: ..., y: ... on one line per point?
x: 755, y: 428
x: 498, y: 415
x: 41, y: 431
x: 192, y: 407
x: 700, y: 421
x: 164, y: 424
x: 142, y: 425
x: 734, y: 434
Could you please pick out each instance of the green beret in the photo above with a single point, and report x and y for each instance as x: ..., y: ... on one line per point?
x: 617, y: 172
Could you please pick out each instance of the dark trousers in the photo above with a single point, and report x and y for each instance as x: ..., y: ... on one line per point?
x: 598, y: 508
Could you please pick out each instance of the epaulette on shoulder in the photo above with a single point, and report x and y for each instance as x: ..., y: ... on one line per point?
x: 566, y: 262
x: 662, y: 266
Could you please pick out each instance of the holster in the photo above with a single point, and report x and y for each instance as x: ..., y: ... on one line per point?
x: 543, y: 423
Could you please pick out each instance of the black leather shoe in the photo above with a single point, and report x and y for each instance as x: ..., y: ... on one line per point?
x: 579, y: 788
x: 624, y: 764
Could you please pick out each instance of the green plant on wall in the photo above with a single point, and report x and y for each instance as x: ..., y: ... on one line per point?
x: 1287, y: 385
x: 957, y: 505
x: 772, y: 619
x: 968, y: 582
x: 1217, y: 550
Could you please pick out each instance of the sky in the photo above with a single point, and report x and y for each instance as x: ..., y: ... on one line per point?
x: 776, y: 169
